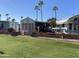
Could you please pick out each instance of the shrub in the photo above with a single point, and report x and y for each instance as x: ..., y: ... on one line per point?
x: 10, y: 30
x: 34, y: 34
x: 15, y: 33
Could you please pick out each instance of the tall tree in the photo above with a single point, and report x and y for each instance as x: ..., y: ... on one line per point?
x: 55, y: 8
x: 41, y: 3
x: 21, y: 17
x: 37, y: 9
x: 9, y: 18
x: 7, y: 15
x: 13, y: 20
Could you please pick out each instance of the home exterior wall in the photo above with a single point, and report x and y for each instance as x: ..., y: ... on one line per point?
x: 14, y: 25
x: 4, y: 25
x: 74, y: 21
x: 27, y: 25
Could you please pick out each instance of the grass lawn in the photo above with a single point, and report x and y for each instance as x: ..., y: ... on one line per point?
x: 26, y: 46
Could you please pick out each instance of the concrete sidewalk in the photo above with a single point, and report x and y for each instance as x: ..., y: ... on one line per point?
x: 60, y: 39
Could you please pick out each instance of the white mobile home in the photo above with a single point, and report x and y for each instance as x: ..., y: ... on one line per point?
x: 5, y: 25
x: 27, y: 25
x: 70, y: 25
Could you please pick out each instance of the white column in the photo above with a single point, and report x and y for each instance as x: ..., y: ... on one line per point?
x: 77, y: 27
x: 27, y: 27
x: 72, y: 27
x: 24, y: 26
x: 31, y: 27
x: 20, y: 27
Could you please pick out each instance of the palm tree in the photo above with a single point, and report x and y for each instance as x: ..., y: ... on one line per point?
x: 7, y: 17
x: 0, y: 17
x: 21, y: 17
x: 37, y: 9
x: 55, y: 8
x: 41, y: 4
x: 13, y: 20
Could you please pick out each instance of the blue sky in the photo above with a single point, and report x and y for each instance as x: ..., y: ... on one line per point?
x: 17, y: 8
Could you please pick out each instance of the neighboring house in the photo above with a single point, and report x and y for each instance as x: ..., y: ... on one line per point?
x: 42, y: 26
x: 5, y: 25
x: 27, y: 25
x: 69, y: 25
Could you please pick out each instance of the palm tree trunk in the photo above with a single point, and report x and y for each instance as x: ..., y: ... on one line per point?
x: 56, y: 17
x: 7, y: 18
x: 41, y: 14
x: 36, y: 15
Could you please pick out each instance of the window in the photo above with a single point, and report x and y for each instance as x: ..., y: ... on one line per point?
x: 70, y: 26
x: 74, y: 26
x: 25, y: 25
x: 58, y: 25
x: 63, y: 25
x: 75, y: 19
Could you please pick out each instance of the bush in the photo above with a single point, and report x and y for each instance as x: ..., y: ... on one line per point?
x: 14, y: 33
x: 34, y: 34
x: 10, y: 30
